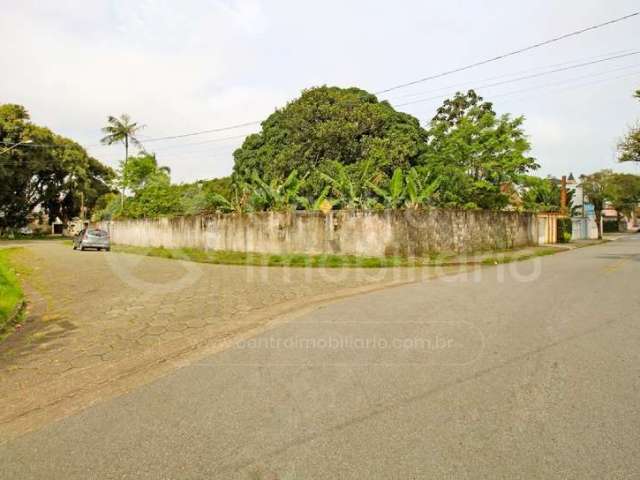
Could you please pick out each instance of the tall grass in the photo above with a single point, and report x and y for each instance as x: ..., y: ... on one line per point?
x: 10, y: 291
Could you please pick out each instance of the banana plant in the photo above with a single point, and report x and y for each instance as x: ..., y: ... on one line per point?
x: 274, y: 196
x: 393, y: 196
x: 348, y: 188
x: 220, y: 203
x: 419, y: 192
x: 314, y: 205
x: 343, y: 187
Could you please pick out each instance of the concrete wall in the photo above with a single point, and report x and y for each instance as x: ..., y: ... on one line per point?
x: 584, y: 228
x: 374, y: 233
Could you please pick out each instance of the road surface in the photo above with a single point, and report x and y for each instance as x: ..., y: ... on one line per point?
x: 527, y: 370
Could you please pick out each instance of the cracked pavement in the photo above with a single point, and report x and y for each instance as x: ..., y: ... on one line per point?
x: 102, y: 323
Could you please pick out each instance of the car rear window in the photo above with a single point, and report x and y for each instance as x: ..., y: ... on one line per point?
x: 97, y: 233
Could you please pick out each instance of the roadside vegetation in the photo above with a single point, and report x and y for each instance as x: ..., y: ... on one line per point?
x: 11, y: 295
x: 337, y: 261
x: 343, y: 148
x: 10, y: 236
x: 336, y: 148
x: 331, y: 148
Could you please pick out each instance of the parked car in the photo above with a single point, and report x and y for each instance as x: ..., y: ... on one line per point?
x: 92, y: 238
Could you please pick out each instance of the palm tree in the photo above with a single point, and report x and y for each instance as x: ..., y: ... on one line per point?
x: 121, y: 130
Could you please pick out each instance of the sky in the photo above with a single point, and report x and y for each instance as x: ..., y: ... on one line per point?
x: 193, y: 65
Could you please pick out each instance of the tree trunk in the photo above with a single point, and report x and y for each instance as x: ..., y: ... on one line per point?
x: 599, y: 223
x: 124, y: 168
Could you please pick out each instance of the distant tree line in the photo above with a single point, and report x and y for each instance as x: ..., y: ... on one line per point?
x: 345, y: 149
x: 330, y: 148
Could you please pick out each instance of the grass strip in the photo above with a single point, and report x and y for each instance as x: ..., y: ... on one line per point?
x: 11, y: 295
x: 329, y: 261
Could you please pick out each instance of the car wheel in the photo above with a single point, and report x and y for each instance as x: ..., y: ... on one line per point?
x: 108, y: 249
x: 81, y: 248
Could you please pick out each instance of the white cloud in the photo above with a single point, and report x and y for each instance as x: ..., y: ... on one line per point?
x: 172, y: 70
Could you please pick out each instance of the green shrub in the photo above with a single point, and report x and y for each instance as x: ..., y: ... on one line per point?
x: 564, y: 230
x: 610, y: 226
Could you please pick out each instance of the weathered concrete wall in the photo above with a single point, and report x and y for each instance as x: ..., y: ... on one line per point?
x: 374, y: 233
x: 584, y: 228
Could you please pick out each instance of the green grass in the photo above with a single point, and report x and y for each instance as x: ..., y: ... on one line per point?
x: 19, y: 236
x: 542, y: 252
x: 270, y: 260
x: 10, y: 292
x: 325, y: 261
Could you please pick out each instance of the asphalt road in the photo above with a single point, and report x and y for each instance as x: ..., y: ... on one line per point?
x: 528, y: 370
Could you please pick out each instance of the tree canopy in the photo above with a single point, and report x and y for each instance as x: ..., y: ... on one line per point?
x: 541, y: 194
x: 359, y: 147
x: 329, y: 125
x: 51, y: 173
x: 623, y: 191
x: 629, y: 147
x: 476, y: 152
x: 152, y: 194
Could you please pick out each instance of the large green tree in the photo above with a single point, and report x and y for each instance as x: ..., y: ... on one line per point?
x: 141, y: 170
x: 150, y: 185
x: 51, y: 174
x: 329, y: 125
x: 629, y: 146
x: 476, y: 153
x: 623, y: 191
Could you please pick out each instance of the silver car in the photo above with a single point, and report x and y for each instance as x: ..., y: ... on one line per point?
x: 92, y: 238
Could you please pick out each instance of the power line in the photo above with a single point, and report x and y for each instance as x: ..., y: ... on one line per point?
x: 155, y: 139
x: 511, y: 74
x: 569, y: 82
x: 213, y: 140
x: 205, y: 152
x: 420, y: 100
x: 563, y: 85
x: 572, y: 86
x: 509, y: 54
x: 432, y: 77
x: 213, y: 130
x: 39, y: 145
x: 528, y: 77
